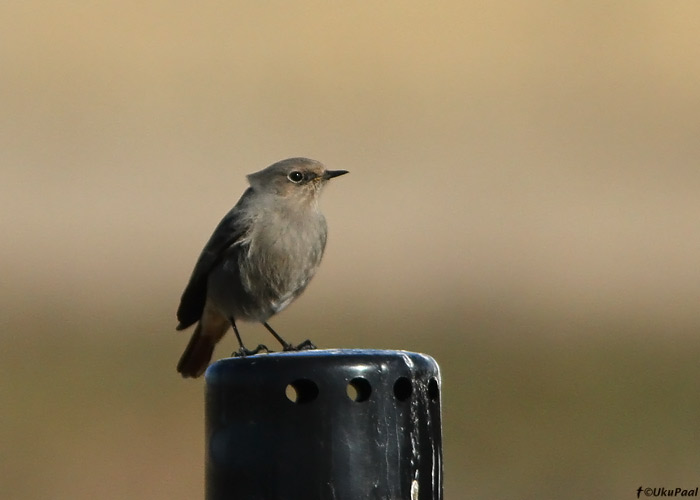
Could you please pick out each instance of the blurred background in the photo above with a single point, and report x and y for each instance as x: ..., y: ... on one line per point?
x: 522, y: 205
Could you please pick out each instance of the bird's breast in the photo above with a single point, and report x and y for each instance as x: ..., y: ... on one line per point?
x: 282, y: 255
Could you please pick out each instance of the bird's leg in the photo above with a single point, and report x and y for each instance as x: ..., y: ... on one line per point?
x: 286, y: 346
x: 243, y: 351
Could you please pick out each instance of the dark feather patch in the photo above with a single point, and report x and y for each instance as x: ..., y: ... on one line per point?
x: 192, y: 303
x: 226, y: 234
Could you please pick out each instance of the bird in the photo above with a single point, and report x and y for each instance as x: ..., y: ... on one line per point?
x: 260, y: 258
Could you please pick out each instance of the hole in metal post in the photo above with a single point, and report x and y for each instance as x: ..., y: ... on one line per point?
x: 301, y: 391
x: 358, y: 389
x: 433, y: 390
x: 403, y: 388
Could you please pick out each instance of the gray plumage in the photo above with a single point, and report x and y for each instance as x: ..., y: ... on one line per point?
x: 260, y: 257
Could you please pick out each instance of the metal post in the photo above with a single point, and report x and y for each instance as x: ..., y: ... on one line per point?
x: 324, y: 424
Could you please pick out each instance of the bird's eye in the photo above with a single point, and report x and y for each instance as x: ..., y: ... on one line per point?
x: 295, y: 177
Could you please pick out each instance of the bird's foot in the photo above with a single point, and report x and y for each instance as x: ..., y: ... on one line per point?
x: 243, y: 352
x: 307, y: 345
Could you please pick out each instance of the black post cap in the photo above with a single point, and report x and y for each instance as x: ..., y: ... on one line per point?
x: 324, y: 424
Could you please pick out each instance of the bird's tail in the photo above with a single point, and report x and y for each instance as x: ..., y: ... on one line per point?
x: 199, y: 350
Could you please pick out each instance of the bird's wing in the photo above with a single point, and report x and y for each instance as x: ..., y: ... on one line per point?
x: 231, y: 228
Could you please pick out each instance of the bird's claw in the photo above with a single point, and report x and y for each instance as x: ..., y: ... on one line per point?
x: 307, y: 345
x: 243, y: 352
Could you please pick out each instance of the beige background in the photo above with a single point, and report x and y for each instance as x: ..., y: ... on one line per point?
x: 522, y: 205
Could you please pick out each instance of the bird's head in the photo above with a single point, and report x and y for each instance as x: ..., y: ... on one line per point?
x: 295, y: 179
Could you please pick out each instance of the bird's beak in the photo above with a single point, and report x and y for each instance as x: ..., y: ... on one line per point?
x: 329, y: 174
